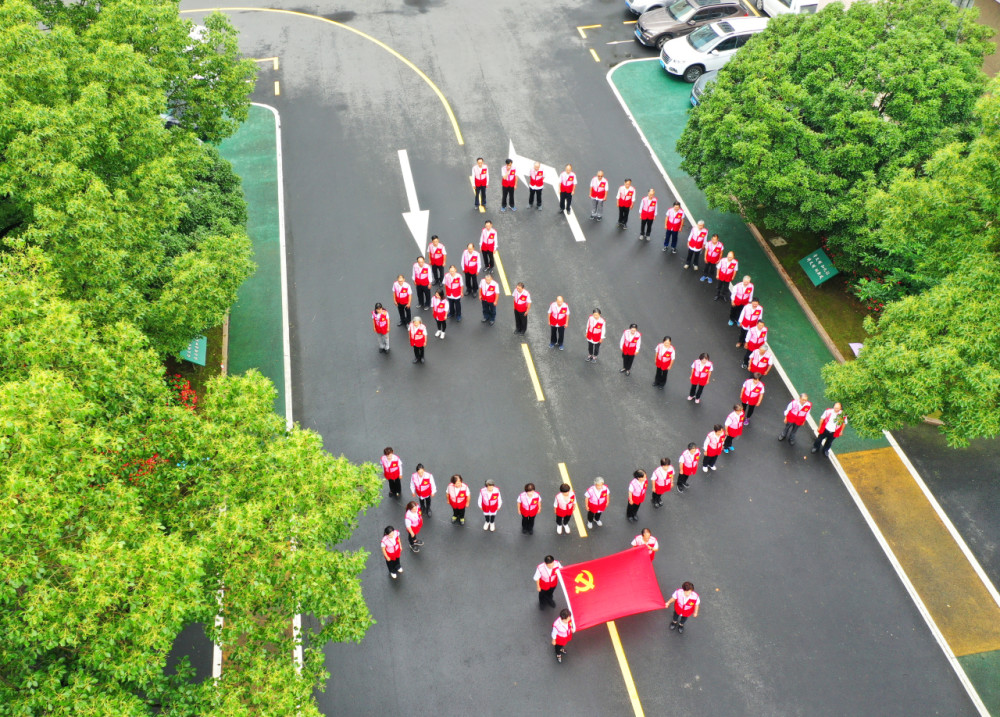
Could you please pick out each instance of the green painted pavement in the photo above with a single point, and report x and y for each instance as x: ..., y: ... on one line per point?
x: 255, y: 323
x: 660, y: 103
x: 983, y: 668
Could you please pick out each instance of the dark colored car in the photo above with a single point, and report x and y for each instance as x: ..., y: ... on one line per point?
x: 679, y: 18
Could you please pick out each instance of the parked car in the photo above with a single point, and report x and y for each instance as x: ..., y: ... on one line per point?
x: 700, y: 85
x: 794, y: 7
x: 682, y: 17
x: 709, y: 47
x: 638, y: 7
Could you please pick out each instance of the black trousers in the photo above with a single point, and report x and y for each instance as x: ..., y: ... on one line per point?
x: 631, y: 510
x: 395, y: 487
x: 393, y: 565
x: 709, y: 460
x: 489, y: 310
x: 488, y: 262
x: 563, y: 519
x: 627, y: 360
x: 692, y: 257
x: 747, y: 411
x: 527, y: 523
x: 480, y: 196
x: 679, y: 619
x: 545, y: 598
x: 593, y: 348
x: 592, y: 516
x: 670, y: 238
x: 438, y: 273
x: 412, y: 539
x: 696, y: 390
x: 645, y: 226
x: 734, y: 311
x: 743, y: 335
x: 442, y: 325
x: 458, y: 513
x: 404, y: 313
x: 558, y: 332
x: 728, y: 443
x: 534, y: 194
x: 722, y: 289
x: 455, y: 308
x: 710, y: 270
x: 657, y: 498
x: 824, y: 440
x: 661, y: 376
x: 565, y: 200
x: 682, y: 479
x: 506, y: 193
x: 623, y: 213
x: 423, y: 295
x: 471, y: 283
x: 520, y: 321
x: 789, y: 432
x: 425, y: 505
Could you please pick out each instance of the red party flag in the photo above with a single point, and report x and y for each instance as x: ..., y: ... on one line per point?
x: 611, y: 587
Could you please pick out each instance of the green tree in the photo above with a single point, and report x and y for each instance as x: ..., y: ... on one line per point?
x: 819, y: 111
x: 125, y: 512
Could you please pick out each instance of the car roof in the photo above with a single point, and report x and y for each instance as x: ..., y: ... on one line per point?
x: 740, y: 24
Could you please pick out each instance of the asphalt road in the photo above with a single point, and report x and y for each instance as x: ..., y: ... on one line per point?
x: 801, y: 614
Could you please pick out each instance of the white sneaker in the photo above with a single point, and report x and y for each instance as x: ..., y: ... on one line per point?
x: 486, y: 525
x: 590, y: 525
x: 442, y: 334
x: 558, y: 530
x: 394, y: 576
x: 713, y: 468
x: 566, y: 528
x: 493, y: 527
x: 704, y: 469
x: 599, y: 523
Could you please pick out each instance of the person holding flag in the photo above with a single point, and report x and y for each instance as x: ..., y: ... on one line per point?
x: 489, y: 503
x: 546, y: 579
x: 508, y: 181
x: 423, y: 488
x: 380, y: 322
x: 392, y: 469
x: 734, y: 428
x: 831, y: 425
x: 414, y: 521
x: 626, y: 198
x: 458, y: 498
x: 665, y: 354
x: 795, y: 415
x: 597, y: 497
x: 713, y: 447
x: 689, y: 465
x: 562, y: 632
x: 646, y: 539
x: 598, y: 193
x: 663, y: 481
x: 528, y: 505
x: 563, y: 505
x: 636, y: 494
x: 596, y: 330
x: 392, y: 550
x: 686, y: 603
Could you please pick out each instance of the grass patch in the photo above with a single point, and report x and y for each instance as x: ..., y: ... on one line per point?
x: 199, y: 376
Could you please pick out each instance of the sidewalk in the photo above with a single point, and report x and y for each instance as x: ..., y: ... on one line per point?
x: 962, y: 608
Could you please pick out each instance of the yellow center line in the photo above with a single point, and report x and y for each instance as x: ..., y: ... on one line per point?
x: 420, y: 73
x: 503, y: 274
x: 593, y: 53
x: 633, y: 694
x: 577, y: 517
x: 531, y: 372
x: 580, y: 29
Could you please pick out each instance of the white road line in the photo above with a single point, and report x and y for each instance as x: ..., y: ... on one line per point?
x: 872, y: 525
x: 618, y: 42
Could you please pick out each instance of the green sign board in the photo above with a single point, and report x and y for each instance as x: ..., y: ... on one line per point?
x: 195, y: 350
x: 818, y: 267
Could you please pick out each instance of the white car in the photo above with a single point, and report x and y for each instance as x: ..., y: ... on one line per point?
x: 638, y: 7
x: 708, y: 47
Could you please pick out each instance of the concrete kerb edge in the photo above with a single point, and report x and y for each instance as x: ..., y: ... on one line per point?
x: 855, y: 496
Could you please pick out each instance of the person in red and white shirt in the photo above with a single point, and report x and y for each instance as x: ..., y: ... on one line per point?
x: 795, y: 415
x: 713, y: 447
x: 696, y: 242
x: 741, y: 294
x: 636, y: 494
x: 562, y: 632
x: 598, y: 193
x: 663, y: 481
x: 439, y: 308
x: 489, y: 503
x: 647, y: 213
x: 422, y: 281
x: 392, y: 469
x: 749, y: 316
x: 713, y: 255
x: 831, y: 425
x: 756, y: 337
x: 689, y: 465
x: 380, y: 322
x: 751, y: 395
x: 734, y: 428
x: 402, y: 294
x: 488, y: 245
x: 701, y: 372
x: 629, y: 344
x: 546, y: 580
x: 686, y: 603
x: 673, y: 224
x: 725, y: 271
x: 596, y: 330
x: 536, y: 182
x: 489, y: 295
x: 564, y: 504
x: 508, y: 181
x: 413, y: 520
x: 528, y: 505
x: 480, y: 180
x: 558, y: 319
x: 453, y: 292
x: 423, y: 488
x: 646, y: 540
x: 459, y: 496
x: 438, y: 255
x: 418, y: 339
x: 470, y: 267
x: 392, y: 550
x: 522, y: 304
x: 597, y: 497
x: 626, y: 198
x: 567, y: 185
x: 761, y: 360
x: 665, y: 354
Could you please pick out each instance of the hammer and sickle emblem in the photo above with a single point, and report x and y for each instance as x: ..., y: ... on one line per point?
x: 584, y: 581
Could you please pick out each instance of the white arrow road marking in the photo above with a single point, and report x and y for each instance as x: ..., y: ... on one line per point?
x: 416, y: 219
x: 524, y: 165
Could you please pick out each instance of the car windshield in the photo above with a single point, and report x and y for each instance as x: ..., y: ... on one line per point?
x: 681, y: 10
x: 702, y: 36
